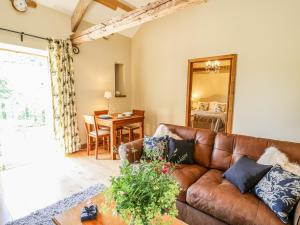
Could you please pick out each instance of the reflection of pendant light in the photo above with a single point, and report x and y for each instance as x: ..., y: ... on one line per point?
x: 213, y: 66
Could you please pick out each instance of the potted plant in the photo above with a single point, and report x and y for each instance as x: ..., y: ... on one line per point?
x: 144, y: 192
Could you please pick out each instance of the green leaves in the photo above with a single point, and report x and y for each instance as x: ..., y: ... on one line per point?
x: 143, y: 192
x: 4, y: 90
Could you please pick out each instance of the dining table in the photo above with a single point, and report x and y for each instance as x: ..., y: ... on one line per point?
x: 114, y: 122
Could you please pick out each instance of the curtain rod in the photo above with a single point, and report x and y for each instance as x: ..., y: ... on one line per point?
x: 22, y: 34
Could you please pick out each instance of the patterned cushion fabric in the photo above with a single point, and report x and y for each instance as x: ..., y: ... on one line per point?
x: 181, y: 151
x: 203, y: 106
x: 280, y: 190
x: 217, y: 107
x: 155, y: 147
x: 221, y: 107
x: 212, y: 106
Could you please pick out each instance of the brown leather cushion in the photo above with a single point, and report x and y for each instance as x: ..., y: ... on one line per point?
x: 219, y: 198
x: 228, y: 148
x: 250, y: 146
x: 222, y: 152
x: 204, y: 146
x: 186, y: 175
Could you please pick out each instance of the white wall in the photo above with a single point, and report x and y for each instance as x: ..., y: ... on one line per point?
x: 95, y: 73
x: 94, y: 66
x: 264, y: 34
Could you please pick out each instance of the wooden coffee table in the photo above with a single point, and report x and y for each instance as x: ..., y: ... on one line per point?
x: 72, y: 216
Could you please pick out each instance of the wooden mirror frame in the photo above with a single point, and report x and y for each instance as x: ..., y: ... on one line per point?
x: 231, y: 89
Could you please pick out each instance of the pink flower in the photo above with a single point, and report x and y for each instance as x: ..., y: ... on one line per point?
x: 165, y: 169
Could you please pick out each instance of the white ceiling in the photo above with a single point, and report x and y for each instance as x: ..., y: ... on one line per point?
x: 96, y: 12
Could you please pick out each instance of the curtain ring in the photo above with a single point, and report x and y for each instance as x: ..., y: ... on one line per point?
x: 76, y: 50
x: 22, y: 36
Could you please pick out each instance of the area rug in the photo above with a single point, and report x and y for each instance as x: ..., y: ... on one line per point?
x: 44, y: 216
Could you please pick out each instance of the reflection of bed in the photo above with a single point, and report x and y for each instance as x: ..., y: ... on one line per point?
x: 214, y: 121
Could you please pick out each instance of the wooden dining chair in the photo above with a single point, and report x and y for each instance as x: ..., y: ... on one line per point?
x: 93, y: 132
x: 119, y: 129
x: 99, y: 113
x: 132, y: 127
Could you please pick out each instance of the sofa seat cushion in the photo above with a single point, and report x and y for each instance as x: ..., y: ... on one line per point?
x: 214, y: 195
x: 186, y: 175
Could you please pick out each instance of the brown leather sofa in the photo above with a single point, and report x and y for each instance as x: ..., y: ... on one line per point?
x: 206, y: 198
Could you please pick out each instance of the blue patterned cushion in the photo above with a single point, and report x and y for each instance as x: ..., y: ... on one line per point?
x: 280, y: 190
x: 155, y: 147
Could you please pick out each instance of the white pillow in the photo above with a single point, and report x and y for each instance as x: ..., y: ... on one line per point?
x: 212, y: 106
x: 163, y: 130
x: 273, y: 156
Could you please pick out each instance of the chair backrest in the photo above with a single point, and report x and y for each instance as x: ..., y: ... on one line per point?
x: 100, y: 112
x: 97, y: 121
x: 138, y: 112
x: 90, y: 123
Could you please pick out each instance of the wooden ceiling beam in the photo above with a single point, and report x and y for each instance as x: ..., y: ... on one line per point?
x: 136, y: 17
x: 112, y: 4
x: 79, y: 12
x: 125, y: 6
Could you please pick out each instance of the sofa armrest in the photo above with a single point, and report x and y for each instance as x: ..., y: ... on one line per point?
x: 297, y: 215
x: 134, y: 150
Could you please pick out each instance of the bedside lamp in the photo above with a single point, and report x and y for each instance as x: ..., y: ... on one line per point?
x: 108, y: 96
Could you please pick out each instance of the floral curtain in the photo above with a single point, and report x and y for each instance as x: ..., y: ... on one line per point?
x: 63, y: 94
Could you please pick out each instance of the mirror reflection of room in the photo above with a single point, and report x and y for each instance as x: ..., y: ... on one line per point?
x: 209, y: 96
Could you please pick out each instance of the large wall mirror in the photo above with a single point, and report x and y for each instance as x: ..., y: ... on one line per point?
x: 210, y: 93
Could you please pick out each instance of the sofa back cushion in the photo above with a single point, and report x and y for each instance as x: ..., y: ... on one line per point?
x: 204, y: 141
x: 220, y: 151
x: 249, y: 146
x: 228, y: 148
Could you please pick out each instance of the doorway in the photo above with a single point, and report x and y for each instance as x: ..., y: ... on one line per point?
x: 26, y: 127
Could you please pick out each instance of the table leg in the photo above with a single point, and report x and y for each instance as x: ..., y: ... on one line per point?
x: 142, y: 129
x: 113, y: 140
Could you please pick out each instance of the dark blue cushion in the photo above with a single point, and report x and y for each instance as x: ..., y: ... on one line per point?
x: 245, y: 173
x: 280, y: 190
x: 155, y: 147
x: 181, y: 151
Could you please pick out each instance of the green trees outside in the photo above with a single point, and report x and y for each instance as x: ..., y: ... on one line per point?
x: 5, y: 92
x: 25, y: 90
x: 8, y: 99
